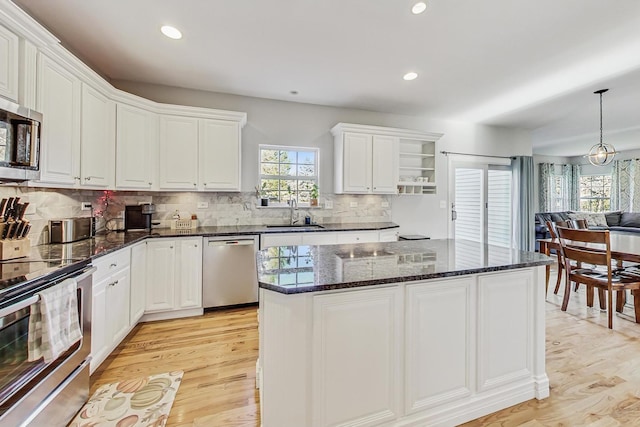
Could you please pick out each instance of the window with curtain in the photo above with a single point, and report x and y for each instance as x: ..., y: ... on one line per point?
x: 595, y: 193
x: 559, y: 187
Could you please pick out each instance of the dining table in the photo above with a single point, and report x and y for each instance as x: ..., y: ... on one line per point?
x: 625, y: 246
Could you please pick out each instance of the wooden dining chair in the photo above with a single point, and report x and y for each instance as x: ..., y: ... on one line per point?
x: 593, y: 247
x: 554, y: 235
x: 580, y: 224
x: 551, y: 226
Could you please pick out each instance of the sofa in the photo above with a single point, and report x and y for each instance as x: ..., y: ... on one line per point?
x: 614, y: 221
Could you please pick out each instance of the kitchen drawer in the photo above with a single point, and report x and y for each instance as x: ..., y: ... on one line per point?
x: 111, y: 263
x: 357, y: 237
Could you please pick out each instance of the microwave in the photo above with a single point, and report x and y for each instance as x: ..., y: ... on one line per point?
x: 19, y: 142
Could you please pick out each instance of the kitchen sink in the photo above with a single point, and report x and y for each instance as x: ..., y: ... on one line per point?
x: 297, y: 226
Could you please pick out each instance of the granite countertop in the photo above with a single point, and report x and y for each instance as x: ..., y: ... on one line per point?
x: 298, y: 269
x: 47, y: 259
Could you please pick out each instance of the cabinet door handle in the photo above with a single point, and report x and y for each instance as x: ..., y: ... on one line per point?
x: 87, y: 178
x: 194, y: 184
x: 170, y: 247
x: 113, y: 265
x: 76, y: 177
x: 150, y: 184
x: 195, y: 246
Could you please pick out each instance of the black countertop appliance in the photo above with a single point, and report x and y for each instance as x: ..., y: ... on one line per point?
x: 138, y: 217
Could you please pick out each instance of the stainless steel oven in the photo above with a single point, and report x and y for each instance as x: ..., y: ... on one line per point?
x: 37, y: 393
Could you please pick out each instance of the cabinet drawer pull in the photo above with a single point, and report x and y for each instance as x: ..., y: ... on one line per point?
x: 114, y: 264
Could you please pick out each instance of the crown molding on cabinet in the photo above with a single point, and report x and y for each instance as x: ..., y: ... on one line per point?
x: 380, y: 130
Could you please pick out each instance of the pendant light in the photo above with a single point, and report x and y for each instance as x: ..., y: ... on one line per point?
x: 601, y: 154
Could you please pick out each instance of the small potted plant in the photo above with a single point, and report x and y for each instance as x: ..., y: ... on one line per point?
x: 262, y: 195
x: 314, y: 195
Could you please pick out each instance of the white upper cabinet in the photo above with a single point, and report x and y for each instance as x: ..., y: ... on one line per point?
x: 97, y: 160
x: 9, y: 65
x: 365, y: 163
x: 136, y: 148
x: 381, y: 160
x: 199, y: 154
x: 356, y: 171
x: 59, y: 95
x: 178, y: 152
x: 384, y: 164
x: 219, y: 159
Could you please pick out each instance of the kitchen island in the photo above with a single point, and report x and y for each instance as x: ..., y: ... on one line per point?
x: 431, y: 332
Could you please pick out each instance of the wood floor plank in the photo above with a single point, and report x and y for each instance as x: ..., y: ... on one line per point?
x: 594, y: 372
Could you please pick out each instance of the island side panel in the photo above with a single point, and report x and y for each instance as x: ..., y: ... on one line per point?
x: 439, y: 345
x: 496, y: 319
x: 357, y: 337
x: 285, y: 359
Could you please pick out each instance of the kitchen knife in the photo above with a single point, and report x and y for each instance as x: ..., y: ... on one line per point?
x: 22, y: 211
x: 3, y: 205
x: 7, y: 230
x: 14, y: 208
x: 7, y: 209
x: 26, y: 230
x: 13, y: 232
x: 19, y: 228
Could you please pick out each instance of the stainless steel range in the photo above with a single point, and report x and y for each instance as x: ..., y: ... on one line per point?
x: 38, y: 393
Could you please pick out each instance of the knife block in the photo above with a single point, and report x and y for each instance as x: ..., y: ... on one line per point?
x: 10, y: 249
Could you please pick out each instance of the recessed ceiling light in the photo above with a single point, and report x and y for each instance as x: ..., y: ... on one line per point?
x: 171, y: 32
x: 410, y: 76
x: 419, y: 7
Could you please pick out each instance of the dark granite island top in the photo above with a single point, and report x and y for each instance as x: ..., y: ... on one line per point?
x: 298, y: 269
x: 51, y: 258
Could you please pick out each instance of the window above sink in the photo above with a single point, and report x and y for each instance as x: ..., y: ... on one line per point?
x: 288, y: 172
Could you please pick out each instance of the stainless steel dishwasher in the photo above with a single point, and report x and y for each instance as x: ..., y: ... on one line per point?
x: 229, y: 275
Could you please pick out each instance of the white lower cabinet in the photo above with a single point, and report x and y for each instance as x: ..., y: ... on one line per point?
x: 110, y: 310
x: 161, y: 269
x: 173, y: 276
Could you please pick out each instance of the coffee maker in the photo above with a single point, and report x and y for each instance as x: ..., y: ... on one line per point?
x: 138, y: 217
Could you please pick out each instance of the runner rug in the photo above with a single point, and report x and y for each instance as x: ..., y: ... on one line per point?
x: 137, y: 402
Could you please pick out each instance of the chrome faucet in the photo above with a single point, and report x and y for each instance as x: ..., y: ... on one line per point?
x: 293, y: 202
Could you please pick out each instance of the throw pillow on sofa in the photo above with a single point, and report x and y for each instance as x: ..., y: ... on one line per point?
x: 613, y: 218
x: 630, y: 219
x: 593, y: 219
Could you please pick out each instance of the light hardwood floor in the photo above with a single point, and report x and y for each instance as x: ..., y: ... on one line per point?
x: 594, y: 372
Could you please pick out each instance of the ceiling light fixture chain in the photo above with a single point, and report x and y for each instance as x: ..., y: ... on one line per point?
x: 601, y: 154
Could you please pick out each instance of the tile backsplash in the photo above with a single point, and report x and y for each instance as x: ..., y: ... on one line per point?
x: 223, y: 208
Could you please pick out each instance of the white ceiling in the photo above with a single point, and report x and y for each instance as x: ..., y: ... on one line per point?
x: 521, y: 63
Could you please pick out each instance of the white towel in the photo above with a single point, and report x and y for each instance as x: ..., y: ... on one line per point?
x: 53, y: 322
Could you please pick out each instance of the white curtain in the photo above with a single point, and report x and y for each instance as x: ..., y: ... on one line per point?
x: 625, y: 185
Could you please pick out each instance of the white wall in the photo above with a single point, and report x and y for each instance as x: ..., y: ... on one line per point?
x: 288, y: 123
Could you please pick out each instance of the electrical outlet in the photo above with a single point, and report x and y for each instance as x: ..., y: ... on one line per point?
x: 353, y: 204
x: 85, y: 206
x: 203, y: 205
x: 328, y: 204
x: 384, y: 204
